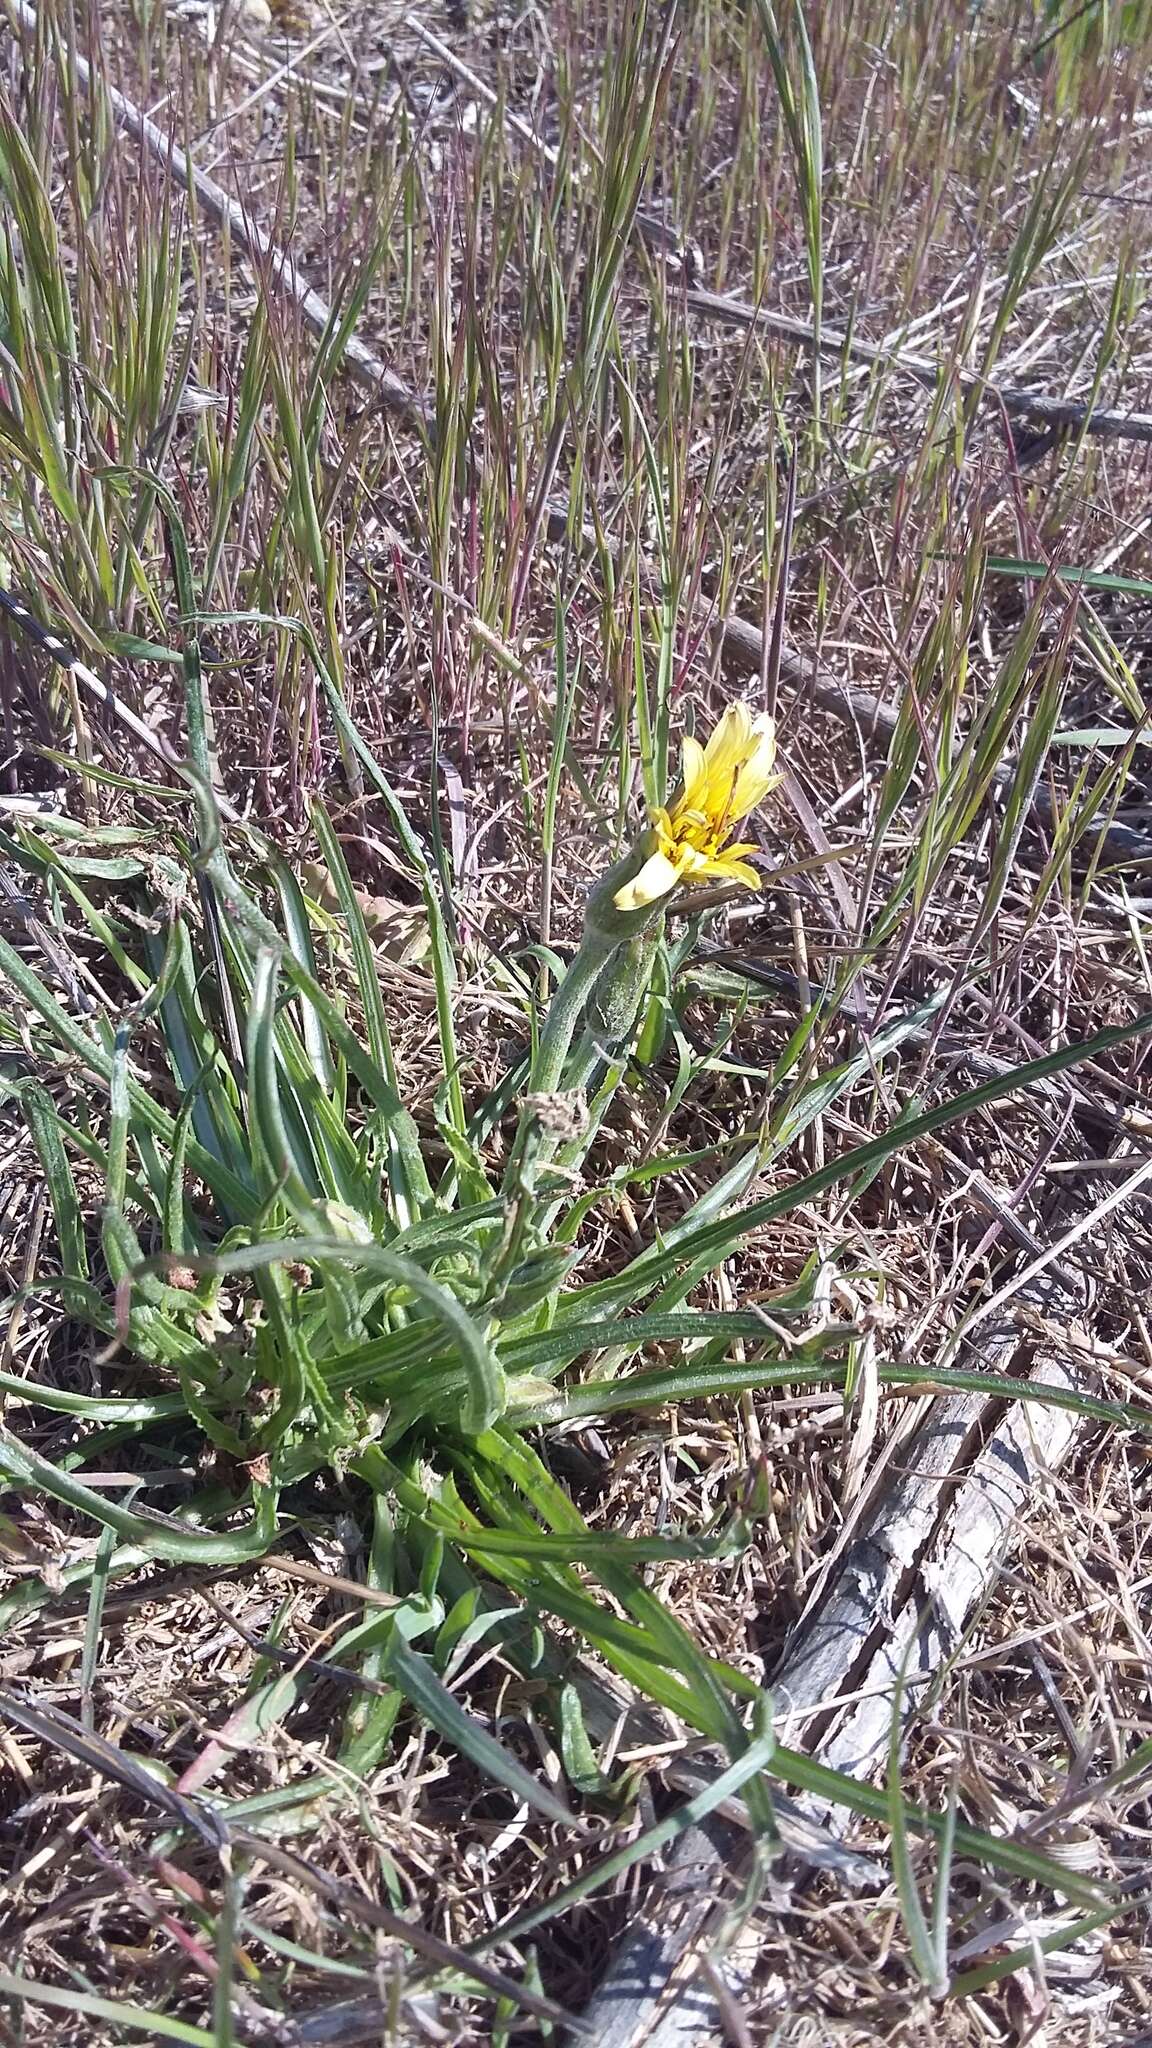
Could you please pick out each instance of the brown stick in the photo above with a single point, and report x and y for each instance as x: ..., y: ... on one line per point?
x: 1035, y: 405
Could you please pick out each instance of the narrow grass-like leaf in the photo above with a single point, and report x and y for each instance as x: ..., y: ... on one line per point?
x: 1085, y: 579
x: 443, y: 964
x: 417, y: 1680
x: 717, y: 1240
x: 700, y: 1383
x: 903, y: 1866
x: 94, y: 1407
x: 44, y: 1125
x: 154, y: 1535
x: 407, y: 1173
x: 757, y: 1757
x: 94, y: 1059
x: 136, y: 2018
x: 299, y: 935
x: 978, y: 1979
x: 93, y: 1622
x: 1018, y: 1858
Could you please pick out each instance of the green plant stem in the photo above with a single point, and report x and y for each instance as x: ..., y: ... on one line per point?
x: 566, y: 1010
x: 25, y: 1470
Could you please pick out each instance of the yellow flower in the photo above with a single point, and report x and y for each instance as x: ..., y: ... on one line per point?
x: 720, y: 784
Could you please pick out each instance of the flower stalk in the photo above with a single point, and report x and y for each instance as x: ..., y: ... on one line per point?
x: 686, y: 842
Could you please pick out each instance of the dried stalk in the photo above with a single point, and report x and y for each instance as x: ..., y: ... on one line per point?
x: 1066, y: 413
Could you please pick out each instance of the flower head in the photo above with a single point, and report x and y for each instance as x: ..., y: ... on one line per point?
x: 720, y: 784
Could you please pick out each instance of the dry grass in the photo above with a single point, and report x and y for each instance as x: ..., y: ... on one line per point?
x: 608, y: 455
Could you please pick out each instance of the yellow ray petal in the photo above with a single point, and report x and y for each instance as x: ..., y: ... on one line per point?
x: 662, y: 825
x: 756, y: 775
x: 727, y: 868
x: 692, y: 771
x: 728, y: 742
x: 720, y: 783
x: 657, y: 878
x: 722, y: 757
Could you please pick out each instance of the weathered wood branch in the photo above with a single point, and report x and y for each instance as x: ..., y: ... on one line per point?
x: 1067, y: 413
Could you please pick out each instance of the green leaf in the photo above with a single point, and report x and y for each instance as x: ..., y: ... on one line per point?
x: 732, y: 1376
x: 94, y: 1059
x: 1024, y: 1958
x: 136, y: 2018
x: 486, y: 1396
x: 44, y: 1125
x: 417, y: 1680
x: 714, y: 1241
x: 1086, y: 579
x: 997, y: 1852
x: 155, y: 1535
x: 128, y: 647
x: 755, y: 1759
x: 407, y: 1173
x: 920, y: 1941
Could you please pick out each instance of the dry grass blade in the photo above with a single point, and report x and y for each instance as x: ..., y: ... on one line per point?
x: 439, y: 1953
x: 86, y: 1747
x: 274, y: 262
x: 58, y: 650
x: 110, y: 1762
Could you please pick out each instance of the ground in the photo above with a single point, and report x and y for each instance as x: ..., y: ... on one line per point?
x: 374, y: 1595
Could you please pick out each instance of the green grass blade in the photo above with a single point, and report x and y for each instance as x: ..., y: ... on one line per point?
x: 689, y: 1382
x: 93, y: 1059
x: 757, y: 1757
x: 920, y: 1942
x: 156, y: 2025
x: 717, y: 1240
x: 1083, y: 579
x: 44, y: 1125
x: 417, y: 1680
